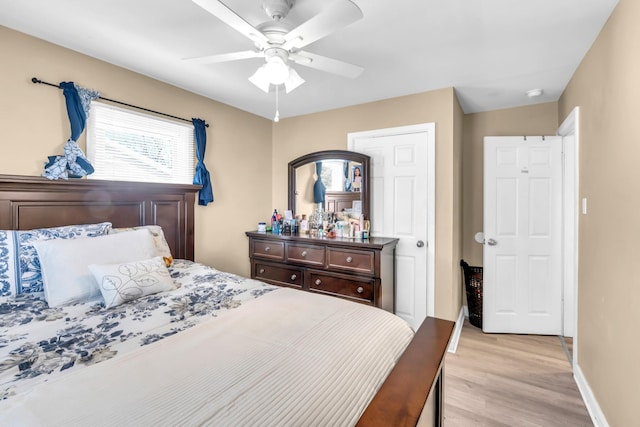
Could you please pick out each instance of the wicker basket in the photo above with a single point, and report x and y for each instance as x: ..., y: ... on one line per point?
x: 473, y: 285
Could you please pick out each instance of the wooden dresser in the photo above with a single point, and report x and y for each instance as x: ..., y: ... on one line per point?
x: 358, y: 270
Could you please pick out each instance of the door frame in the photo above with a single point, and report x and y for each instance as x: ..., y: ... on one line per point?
x: 570, y: 127
x: 430, y: 130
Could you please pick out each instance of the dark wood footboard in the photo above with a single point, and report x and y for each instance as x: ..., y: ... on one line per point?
x: 415, y: 385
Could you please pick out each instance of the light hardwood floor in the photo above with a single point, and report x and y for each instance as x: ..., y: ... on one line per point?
x: 510, y: 380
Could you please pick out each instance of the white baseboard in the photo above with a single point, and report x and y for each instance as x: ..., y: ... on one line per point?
x: 453, y: 345
x: 597, y: 416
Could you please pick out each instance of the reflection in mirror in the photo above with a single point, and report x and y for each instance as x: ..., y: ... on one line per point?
x: 342, y: 180
x: 335, y: 175
x: 344, y: 176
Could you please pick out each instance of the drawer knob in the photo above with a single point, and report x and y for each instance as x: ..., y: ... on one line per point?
x: 261, y: 271
x: 360, y: 289
x: 349, y: 259
x: 293, y: 277
x: 267, y: 249
x: 304, y: 253
x: 318, y: 282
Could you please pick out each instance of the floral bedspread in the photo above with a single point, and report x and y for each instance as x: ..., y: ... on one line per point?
x: 38, y: 343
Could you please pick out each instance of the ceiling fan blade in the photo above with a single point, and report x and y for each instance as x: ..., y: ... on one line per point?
x: 232, y: 19
x: 329, y: 65
x: 338, y: 14
x: 225, y: 57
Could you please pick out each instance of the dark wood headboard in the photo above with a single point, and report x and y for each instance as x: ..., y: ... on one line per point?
x: 28, y: 202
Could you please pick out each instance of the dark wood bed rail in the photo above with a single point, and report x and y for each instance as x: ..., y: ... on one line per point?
x: 414, y: 388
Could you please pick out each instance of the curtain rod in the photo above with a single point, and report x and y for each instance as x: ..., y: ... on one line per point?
x: 37, y: 80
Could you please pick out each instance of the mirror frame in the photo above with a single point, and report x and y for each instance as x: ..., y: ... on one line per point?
x: 352, y: 156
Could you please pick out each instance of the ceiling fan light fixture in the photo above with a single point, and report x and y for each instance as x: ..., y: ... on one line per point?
x: 293, y: 81
x: 260, y: 79
x: 277, y: 70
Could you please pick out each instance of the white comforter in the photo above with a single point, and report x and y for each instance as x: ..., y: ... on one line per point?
x: 288, y: 358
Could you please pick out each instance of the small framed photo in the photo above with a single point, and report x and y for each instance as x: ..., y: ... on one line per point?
x: 356, y: 177
x: 356, y: 173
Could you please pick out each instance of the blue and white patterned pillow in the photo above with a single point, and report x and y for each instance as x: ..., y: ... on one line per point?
x: 19, y: 264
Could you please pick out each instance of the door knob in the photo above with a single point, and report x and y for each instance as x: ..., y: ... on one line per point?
x: 420, y: 243
x: 492, y: 242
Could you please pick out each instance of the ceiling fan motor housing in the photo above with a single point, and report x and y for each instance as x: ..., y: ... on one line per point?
x: 277, y: 9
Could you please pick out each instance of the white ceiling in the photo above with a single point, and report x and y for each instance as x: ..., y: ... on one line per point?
x: 490, y: 51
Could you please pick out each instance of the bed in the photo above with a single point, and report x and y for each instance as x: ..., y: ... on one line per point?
x: 211, y: 348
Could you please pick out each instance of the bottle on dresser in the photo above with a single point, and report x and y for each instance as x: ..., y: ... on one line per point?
x: 275, y: 222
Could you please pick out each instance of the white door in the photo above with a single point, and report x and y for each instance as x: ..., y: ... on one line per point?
x: 522, y: 277
x: 402, y: 193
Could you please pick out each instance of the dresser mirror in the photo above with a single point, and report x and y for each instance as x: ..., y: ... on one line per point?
x: 344, y: 176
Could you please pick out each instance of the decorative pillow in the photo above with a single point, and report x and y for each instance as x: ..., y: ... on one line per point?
x: 19, y: 263
x: 162, y: 247
x: 123, y: 282
x: 65, y: 263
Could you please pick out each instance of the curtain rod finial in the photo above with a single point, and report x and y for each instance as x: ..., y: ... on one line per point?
x: 35, y: 80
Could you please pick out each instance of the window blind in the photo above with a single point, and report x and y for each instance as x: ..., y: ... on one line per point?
x: 126, y: 145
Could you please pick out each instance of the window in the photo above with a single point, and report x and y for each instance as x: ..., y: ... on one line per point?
x: 333, y: 175
x: 124, y: 145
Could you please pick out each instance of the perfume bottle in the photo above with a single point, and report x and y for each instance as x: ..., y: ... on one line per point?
x: 304, y: 225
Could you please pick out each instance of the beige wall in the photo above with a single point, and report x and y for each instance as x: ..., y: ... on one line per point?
x: 541, y: 119
x: 34, y: 125
x: 328, y: 130
x: 606, y: 87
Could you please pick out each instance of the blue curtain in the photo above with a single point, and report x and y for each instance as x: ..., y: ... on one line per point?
x: 73, y: 164
x: 319, y: 189
x: 202, y: 177
x: 347, y: 181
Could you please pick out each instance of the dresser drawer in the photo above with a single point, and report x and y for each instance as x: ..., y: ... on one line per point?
x: 361, y: 290
x: 279, y: 274
x: 352, y: 260
x: 268, y: 249
x: 305, y: 254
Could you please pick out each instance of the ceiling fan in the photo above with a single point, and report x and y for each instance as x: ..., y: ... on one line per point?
x: 280, y: 45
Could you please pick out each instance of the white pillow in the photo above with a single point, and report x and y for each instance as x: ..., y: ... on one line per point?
x: 120, y: 283
x: 162, y: 247
x: 65, y: 263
